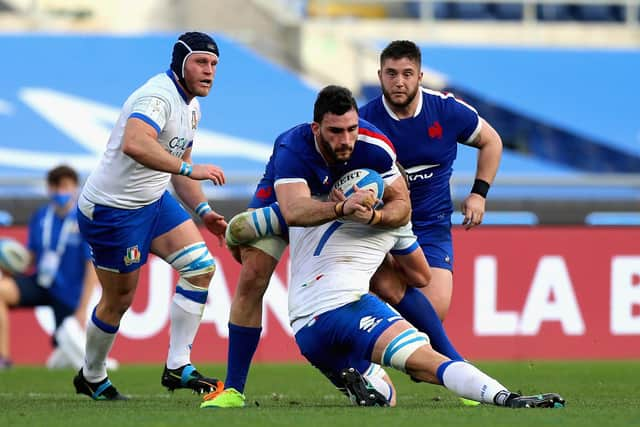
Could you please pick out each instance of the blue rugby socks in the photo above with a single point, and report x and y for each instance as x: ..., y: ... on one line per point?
x: 243, y: 342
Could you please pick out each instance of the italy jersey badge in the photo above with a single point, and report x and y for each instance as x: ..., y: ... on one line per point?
x: 132, y: 256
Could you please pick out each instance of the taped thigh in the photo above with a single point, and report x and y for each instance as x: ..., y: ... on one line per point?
x: 271, y: 245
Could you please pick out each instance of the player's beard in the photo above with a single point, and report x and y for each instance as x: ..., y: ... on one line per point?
x: 410, y: 97
x: 329, y: 152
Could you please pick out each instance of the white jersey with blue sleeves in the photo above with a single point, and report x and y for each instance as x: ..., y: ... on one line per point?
x: 331, y: 264
x: 121, y: 182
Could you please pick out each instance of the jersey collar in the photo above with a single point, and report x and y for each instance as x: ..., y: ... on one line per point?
x: 315, y: 143
x: 175, y: 82
x: 394, y: 116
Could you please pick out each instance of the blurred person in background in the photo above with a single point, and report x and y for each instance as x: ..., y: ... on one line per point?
x: 126, y: 212
x: 63, y: 277
x: 425, y: 127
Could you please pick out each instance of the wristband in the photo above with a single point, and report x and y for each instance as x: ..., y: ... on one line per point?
x: 480, y: 187
x: 339, y: 209
x: 186, y: 169
x: 202, y: 209
x: 376, y: 217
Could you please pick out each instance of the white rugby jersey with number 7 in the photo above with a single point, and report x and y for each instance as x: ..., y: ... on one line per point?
x: 331, y: 264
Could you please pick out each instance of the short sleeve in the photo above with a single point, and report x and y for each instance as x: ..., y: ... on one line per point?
x: 153, y: 110
x: 406, y: 241
x: 289, y: 167
x: 464, y: 118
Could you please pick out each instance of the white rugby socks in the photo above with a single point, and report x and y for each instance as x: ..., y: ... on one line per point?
x: 100, y: 338
x: 469, y: 382
x: 185, y: 320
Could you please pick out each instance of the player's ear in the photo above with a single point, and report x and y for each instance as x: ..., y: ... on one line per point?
x: 315, y: 128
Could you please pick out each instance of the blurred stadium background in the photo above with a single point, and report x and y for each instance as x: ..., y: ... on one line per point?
x: 558, y: 80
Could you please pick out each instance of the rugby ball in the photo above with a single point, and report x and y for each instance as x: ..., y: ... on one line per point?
x: 366, y: 179
x: 14, y: 256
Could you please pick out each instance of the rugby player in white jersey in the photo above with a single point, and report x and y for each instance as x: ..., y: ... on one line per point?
x: 126, y: 212
x: 347, y: 333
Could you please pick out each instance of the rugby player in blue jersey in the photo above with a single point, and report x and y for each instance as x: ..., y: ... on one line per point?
x: 306, y: 161
x: 426, y: 127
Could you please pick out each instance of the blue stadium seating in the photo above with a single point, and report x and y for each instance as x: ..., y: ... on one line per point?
x: 471, y: 11
x: 514, y: 11
x: 554, y: 12
x: 599, y: 13
x: 442, y: 10
x: 508, y: 11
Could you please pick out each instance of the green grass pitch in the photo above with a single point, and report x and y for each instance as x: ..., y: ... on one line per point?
x: 598, y: 393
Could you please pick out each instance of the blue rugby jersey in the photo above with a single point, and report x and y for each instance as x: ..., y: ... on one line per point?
x: 295, y: 157
x: 426, y: 146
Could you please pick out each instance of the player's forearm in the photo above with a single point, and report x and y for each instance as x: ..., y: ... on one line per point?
x: 306, y: 212
x: 488, y: 162
x: 397, y: 205
x: 395, y: 213
x: 415, y: 268
x: 189, y: 191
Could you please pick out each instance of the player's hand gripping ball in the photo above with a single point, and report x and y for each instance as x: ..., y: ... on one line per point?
x: 365, y: 179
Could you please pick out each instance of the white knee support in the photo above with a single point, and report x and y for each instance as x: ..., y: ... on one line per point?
x: 192, y: 260
x: 401, y: 347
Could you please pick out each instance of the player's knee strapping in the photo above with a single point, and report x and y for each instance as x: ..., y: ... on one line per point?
x: 401, y: 347
x: 190, y: 261
x: 249, y: 226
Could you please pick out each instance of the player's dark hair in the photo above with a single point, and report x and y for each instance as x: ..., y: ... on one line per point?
x: 55, y: 175
x: 333, y: 99
x: 399, y: 49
